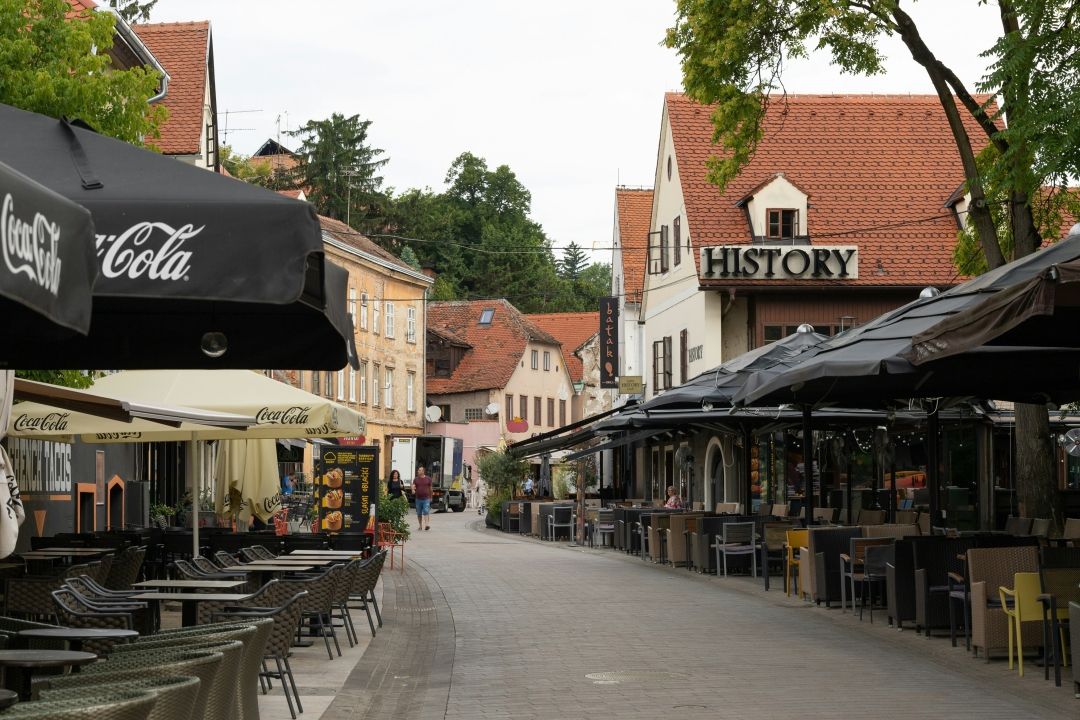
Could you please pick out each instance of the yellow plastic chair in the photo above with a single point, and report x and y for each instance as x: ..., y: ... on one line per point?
x: 1021, y: 605
x: 795, y: 540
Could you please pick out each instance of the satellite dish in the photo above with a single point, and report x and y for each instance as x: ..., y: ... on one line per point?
x: 432, y: 413
x: 1071, y: 442
x: 492, y: 409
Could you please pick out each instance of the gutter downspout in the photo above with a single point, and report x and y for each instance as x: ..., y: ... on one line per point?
x: 139, y: 48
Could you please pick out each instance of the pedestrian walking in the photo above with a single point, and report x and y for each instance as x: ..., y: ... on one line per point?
x: 422, y: 493
x: 393, y: 485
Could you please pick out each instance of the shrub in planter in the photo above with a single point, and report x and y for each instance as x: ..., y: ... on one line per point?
x: 396, y: 512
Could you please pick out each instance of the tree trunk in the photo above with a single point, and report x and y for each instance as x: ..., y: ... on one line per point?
x: 1035, y: 454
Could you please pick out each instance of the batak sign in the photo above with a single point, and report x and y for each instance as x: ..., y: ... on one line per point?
x: 757, y: 262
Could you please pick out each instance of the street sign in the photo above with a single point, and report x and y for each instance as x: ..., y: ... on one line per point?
x: 631, y: 385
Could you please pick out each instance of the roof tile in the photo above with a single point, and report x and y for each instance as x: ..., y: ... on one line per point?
x: 879, y: 169
x: 182, y: 49
x: 634, y: 208
x: 496, y: 349
x: 572, y: 330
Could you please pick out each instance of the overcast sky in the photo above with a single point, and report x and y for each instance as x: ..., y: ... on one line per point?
x: 568, y: 94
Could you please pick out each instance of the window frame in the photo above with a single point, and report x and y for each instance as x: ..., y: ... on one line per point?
x: 375, y: 316
x: 551, y: 412
x: 547, y: 361
x: 363, y: 382
x: 780, y: 223
x: 538, y: 408
x: 388, y: 317
x: 388, y: 387
x: 375, y: 384
x: 509, y: 409
x: 410, y: 391
x: 340, y: 382
x: 534, y: 359
x: 410, y: 325
x: 523, y: 407
x: 364, y: 311
x: 562, y: 412
x: 352, y: 385
x: 676, y: 232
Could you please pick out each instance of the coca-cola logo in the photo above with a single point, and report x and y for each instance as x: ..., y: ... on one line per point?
x: 153, y: 249
x: 53, y: 422
x: 30, y: 248
x: 295, y: 415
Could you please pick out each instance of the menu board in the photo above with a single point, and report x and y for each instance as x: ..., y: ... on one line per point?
x: 348, y: 488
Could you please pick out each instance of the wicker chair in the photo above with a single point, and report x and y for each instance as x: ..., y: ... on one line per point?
x: 363, y: 588
x: 222, y: 696
x: 9, y: 626
x: 201, y: 664
x: 261, y: 553
x: 251, y: 660
x: 176, y: 694
x: 225, y: 560
x: 346, y: 579
x: 74, y: 611
x: 278, y: 646
x: 269, y: 595
x: 125, y: 568
x: 988, y: 569
x: 97, y: 704
x: 31, y: 597
x: 318, y: 605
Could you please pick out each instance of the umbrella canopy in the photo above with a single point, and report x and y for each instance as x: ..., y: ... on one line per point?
x: 246, y: 479
x: 1040, y: 313
x: 196, y: 269
x: 869, y: 364
x: 719, y: 385
x: 47, y: 252
x: 280, y: 410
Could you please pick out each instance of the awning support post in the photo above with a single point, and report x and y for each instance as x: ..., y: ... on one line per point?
x: 808, y: 463
x: 933, y: 476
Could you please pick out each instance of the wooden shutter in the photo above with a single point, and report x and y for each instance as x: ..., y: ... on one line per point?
x: 667, y: 361
x: 677, y: 228
x: 684, y: 357
x: 664, y: 244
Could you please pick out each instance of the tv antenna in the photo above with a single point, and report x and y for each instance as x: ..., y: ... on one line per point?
x: 225, y: 130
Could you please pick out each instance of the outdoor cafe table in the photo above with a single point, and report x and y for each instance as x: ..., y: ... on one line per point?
x: 324, y: 553
x: 266, y: 569
x: 288, y: 561
x: 76, y: 636
x: 189, y: 584
x: 19, y: 665
x: 189, y: 602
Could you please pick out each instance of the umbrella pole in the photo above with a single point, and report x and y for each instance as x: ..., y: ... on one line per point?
x: 933, y: 479
x: 808, y: 463
x: 194, y: 473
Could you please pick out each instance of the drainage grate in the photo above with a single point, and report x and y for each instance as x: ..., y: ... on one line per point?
x: 632, y: 676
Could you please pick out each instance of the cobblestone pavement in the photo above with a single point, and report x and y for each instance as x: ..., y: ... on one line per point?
x: 488, y: 625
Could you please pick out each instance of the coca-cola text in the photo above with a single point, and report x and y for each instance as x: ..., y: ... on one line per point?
x: 132, y: 254
x: 294, y: 415
x: 31, y: 248
x: 53, y: 422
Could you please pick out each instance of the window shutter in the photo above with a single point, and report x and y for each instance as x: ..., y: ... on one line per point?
x: 664, y: 244
x: 677, y: 226
x: 684, y: 356
x: 667, y: 362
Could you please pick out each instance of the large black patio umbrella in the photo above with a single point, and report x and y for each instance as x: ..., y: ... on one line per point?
x: 197, y: 270
x: 717, y: 386
x: 47, y: 266
x: 872, y: 365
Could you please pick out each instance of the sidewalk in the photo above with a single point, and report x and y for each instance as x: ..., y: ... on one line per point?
x: 488, y: 625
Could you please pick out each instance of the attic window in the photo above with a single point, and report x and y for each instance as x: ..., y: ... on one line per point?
x: 486, y: 315
x: 783, y: 224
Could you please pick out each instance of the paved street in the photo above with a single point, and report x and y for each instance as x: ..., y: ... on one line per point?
x: 486, y: 625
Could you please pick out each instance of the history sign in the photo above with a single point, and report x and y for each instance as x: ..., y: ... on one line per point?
x: 774, y: 262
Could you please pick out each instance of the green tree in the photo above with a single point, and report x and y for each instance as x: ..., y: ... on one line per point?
x: 733, y: 54
x: 241, y: 167
x: 573, y: 262
x: 61, y: 68
x: 67, y: 378
x: 133, y: 10
x: 339, y: 170
x: 501, y: 472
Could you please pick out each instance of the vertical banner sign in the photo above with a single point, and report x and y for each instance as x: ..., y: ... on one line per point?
x: 349, y: 487
x: 609, y: 342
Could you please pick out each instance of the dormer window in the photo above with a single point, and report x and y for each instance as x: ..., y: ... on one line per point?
x: 486, y: 316
x: 782, y: 223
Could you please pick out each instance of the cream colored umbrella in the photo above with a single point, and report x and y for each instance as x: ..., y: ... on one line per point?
x: 246, y: 479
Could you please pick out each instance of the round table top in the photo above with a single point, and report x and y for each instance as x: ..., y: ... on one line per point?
x: 72, y: 633
x: 44, y: 658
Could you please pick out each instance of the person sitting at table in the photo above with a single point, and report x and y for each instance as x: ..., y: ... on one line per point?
x: 674, y: 502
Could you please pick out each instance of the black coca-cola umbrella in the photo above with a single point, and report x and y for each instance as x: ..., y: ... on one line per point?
x: 47, y: 266
x: 197, y: 270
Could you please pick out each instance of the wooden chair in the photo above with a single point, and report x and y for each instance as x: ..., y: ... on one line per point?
x: 795, y: 540
x: 390, y: 540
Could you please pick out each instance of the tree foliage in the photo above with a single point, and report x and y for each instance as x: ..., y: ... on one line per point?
x: 133, y: 10
x: 339, y: 170
x: 479, y: 237
x: 733, y: 54
x: 61, y: 68
x: 573, y: 262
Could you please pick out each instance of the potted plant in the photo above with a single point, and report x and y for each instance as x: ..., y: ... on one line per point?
x: 161, y: 514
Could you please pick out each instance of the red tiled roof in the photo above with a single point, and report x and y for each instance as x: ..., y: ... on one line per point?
x: 80, y: 6
x: 345, y: 234
x: 182, y: 49
x: 572, y: 330
x: 879, y: 170
x: 634, y: 208
x: 496, y: 348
